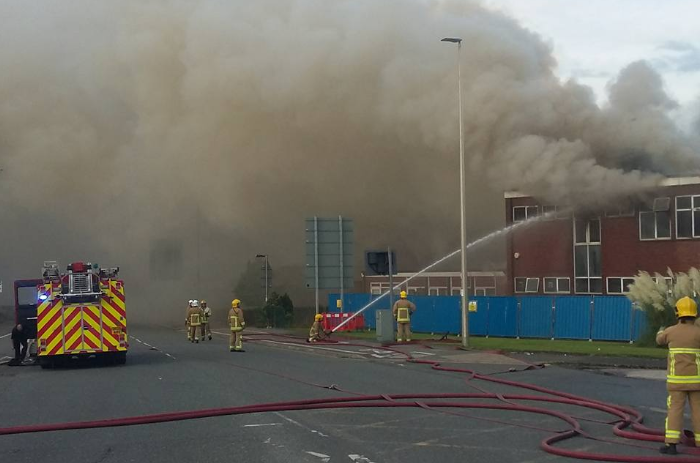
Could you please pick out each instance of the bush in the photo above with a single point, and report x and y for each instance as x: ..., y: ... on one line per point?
x: 658, y: 298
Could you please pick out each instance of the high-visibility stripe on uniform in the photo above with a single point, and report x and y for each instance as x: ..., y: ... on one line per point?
x: 683, y: 379
x: 402, y: 314
x: 235, y: 323
x: 683, y: 350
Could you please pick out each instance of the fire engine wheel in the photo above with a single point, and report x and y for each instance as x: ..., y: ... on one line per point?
x: 46, y: 363
x: 119, y: 358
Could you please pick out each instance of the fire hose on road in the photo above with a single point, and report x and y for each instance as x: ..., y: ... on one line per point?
x: 627, y: 422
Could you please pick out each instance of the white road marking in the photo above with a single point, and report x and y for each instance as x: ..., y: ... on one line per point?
x: 153, y: 347
x: 322, y: 456
x: 421, y: 353
x: 294, y: 422
x: 360, y: 458
x: 261, y: 424
x: 5, y: 335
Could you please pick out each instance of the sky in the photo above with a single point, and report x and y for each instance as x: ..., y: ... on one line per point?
x: 593, y: 39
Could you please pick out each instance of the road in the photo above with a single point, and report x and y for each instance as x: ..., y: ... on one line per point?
x: 165, y: 373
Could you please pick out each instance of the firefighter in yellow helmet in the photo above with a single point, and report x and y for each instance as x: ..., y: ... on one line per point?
x: 237, y: 323
x: 683, y: 376
x: 206, y: 314
x: 403, y: 308
x: 316, y: 332
x: 194, y: 319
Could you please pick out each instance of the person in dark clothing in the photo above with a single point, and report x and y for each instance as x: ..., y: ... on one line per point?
x: 19, y: 338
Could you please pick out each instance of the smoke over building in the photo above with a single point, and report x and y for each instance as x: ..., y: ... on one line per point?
x: 142, y: 133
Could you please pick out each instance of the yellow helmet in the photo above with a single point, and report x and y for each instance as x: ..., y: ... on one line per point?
x: 236, y: 303
x: 403, y: 294
x: 318, y: 317
x: 686, y: 307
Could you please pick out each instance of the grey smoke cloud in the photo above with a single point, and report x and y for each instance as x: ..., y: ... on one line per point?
x: 125, y: 123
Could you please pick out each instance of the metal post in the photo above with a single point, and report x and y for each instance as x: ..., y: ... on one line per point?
x: 267, y: 285
x: 316, y: 259
x: 462, y: 200
x: 342, y: 267
x: 391, y: 280
x: 463, y: 205
x: 198, y: 293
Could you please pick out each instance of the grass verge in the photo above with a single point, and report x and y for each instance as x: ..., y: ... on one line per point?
x: 614, y: 349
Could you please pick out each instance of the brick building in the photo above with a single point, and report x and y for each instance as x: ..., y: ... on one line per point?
x: 440, y: 283
x: 600, y: 252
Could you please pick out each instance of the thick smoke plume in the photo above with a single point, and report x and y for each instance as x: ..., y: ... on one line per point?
x: 155, y: 135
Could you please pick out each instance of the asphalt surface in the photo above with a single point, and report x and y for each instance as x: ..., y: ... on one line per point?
x: 165, y: 373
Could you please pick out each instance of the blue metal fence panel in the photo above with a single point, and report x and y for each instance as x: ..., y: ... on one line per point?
x: 535, y: 317
x: 503, y: 316
x: 612, y: 318
x: 478, y: 321
x: 356, y: 301
x: 639, y: 324
x: 572, y: 317
x: 448, y: 315
x: 422, y: 320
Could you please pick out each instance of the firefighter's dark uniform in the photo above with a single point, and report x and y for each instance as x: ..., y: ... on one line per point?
x: 403, y: 308
x: 683, y: 374
x: 19, y: 338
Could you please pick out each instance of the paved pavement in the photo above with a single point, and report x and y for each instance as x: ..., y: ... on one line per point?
x: 165, y: 373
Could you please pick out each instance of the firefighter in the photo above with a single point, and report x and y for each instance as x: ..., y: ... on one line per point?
x: 316, y: 332
x: 403, y: 308
x: 194, y: 317
x: 206, y: 314
x: 237, y: 324
x: 187, y: 319
x: 19, y: 338
x: 683, y: 376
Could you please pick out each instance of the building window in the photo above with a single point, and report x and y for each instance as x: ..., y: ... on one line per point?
x: 587, y: 258
x: 687, y: 216
x: 556, y: 212
x: 667, y: 280
x: 456, y: 291
x: 527, y: 285
x: 625, y: 211
x: 521, y: 213
x: 375, y: 289
x: 655, y: 224
x: 619, y: 285
x: 437, y: 291
x: 485, y: 292
x: 557, y: 285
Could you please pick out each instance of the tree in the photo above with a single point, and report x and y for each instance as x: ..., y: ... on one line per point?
x: 657, y: 297
x: 248, y: 289
x: 279, y: 310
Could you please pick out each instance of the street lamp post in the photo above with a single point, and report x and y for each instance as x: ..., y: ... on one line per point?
x: 266, y: 268
x: 462, y: 199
